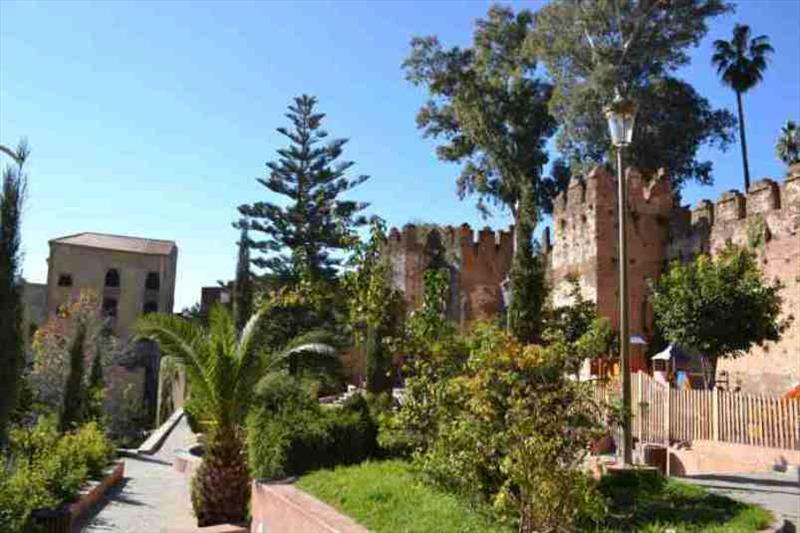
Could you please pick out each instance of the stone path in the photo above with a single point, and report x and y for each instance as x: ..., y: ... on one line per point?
x: 777, y: 492
x: 152, y: 498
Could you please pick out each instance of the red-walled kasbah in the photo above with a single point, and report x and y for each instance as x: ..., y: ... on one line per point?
x: 766, y: 219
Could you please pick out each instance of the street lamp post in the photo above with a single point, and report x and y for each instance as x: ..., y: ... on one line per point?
x: 621, y: 115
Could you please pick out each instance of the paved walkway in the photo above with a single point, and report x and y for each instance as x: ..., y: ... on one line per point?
x: 777, y: 492
x: 152, y: 498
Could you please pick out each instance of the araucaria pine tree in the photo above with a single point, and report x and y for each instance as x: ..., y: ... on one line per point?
x: 11, y: 340
x: 243, y: 284
x: 300, y: 234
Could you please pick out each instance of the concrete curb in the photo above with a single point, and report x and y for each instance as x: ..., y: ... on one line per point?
x: 280, y: 506
x: 156, y: 439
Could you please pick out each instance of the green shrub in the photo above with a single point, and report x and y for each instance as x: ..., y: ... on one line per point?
x: 501, y: 424
x: 46, y: 469
x: 94, y: 447
x: 289, y: 433
x: 22, y: 489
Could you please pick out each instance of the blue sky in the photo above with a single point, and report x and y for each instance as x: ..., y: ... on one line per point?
x: 153, y: 118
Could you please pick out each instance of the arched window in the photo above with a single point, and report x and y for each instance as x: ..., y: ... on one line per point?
x: 110, y: 307
x: 153, y: 281
x: 150, y: 307
x: 112, y: 278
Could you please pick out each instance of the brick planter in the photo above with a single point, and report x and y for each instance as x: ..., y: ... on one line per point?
x: 280, y: 506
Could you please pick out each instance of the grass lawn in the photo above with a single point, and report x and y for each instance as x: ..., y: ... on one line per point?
x: 386, y: 497
x: 652, y: 503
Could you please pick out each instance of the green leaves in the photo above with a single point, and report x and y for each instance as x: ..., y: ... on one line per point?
x: 298, y: 234
x: 741, y: 62
x: 221, y: 366
x: 486, y: 106
x: 718, y: 307
x: 592, y: 49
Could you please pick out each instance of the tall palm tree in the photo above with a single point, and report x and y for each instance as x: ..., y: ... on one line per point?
x: 788, y: 146
x: 741, y: 63
x: 222, y: 368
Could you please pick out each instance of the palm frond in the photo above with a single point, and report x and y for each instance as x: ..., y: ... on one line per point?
x: 185, y: 343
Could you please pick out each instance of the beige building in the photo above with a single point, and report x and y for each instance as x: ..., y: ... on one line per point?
x: 132, y: 276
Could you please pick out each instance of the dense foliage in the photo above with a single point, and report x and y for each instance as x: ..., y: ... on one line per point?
x: 527, y: 277
x: 299, y: 234
x: 290, y: 433
x: 375, y: 307
x: 488, y: 106
x: 512, y: 430
x: 47, y: 469
x: 718, y: 307
x: 594, y: 49
x: 12, y: 197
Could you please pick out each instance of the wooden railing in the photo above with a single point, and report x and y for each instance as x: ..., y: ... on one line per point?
x: 661, y: 414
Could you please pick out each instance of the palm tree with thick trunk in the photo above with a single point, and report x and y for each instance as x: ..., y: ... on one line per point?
x: 741, y: 63
x: 222, y: 367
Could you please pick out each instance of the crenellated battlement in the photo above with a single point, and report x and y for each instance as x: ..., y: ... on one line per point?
x: 484, y: 241
x: 773, y: 207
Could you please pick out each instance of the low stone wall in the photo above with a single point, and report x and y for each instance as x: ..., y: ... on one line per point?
x: 280, y: 506
x: 95, y: 490
x: 704, y: 457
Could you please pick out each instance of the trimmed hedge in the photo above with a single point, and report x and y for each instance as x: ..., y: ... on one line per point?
x: 290, y: 433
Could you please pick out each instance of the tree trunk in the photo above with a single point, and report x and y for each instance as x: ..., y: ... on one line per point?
x: 743, y: 143
x: 709, y: 363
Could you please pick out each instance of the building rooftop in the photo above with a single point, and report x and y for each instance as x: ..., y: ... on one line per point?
x: 136, y: 245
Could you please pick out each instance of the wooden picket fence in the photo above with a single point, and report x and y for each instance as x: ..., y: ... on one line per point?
x: 661, y: 414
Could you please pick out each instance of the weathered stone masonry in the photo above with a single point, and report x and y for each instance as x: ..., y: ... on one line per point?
x: 480, y: 264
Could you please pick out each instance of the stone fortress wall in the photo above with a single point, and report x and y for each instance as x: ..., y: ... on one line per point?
x: 480, y: 262
x: 766, y: 219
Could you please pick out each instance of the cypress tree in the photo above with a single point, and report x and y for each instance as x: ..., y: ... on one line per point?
x: 72, y: 409
x: 11, y: 334
x: 243, y: 284
x: 528, y: 286
x: 299, y: 235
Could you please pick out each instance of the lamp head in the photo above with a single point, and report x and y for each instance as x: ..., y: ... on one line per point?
x: 621, y: 116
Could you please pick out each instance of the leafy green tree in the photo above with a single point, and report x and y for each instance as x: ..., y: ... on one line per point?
x: 788, y: 146
x: 594, y: 49
x: 300, y: 235
x: 741, y: 63
x: 491, y: 112
x: 376, y: 307
x: 11, y: 335
x: 243, y: 284
x: 72, y: 409
x: 222, y: 368
x: 718, y: 307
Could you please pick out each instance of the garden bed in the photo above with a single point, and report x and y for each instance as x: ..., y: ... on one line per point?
x: 388, y: 497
